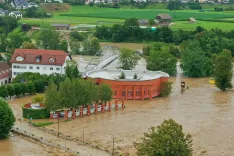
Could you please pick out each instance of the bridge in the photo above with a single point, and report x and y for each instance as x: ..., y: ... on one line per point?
x: 103, y: 58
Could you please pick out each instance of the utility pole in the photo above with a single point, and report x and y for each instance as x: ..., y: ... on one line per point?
x: 58, y: 123
x: 113, y: 150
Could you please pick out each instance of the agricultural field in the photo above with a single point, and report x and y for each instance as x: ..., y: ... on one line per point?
x: 108, y: 16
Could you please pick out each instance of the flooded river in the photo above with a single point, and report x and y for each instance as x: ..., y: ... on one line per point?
x: 204, y: 111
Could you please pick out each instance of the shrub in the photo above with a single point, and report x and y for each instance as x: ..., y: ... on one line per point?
x: 166, y: 88
x: 122, y: 76
x: 7, y: 119
x: 35, y: 113
x: 38, y: 98
x: 41, y: 124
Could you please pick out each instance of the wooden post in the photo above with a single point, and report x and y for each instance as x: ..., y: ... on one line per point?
x: 81, y: 110
x: 150, y: 93
x: 126, y: 93
x: 102, y: 108
x: 51, y: 115
x: 109, y: 106
x: 96, y: 108
x: 88, y: 110
x: 65, y: 114
x: 142, y: 93
x: 73, y: 113
x: 134, y: 92
x: 116, y: 104
x: 122, y: 103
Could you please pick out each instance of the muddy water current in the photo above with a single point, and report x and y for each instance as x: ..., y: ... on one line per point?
x: 204, y: 111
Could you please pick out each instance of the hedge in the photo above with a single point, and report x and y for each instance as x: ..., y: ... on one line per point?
x: 35, y: 113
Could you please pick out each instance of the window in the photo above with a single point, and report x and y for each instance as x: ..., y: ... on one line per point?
x: 57, y: 68
x: 51, y: 60
x: 14, y: 66
x: 38, y: 68
x: 115, y: 92
x: 44, y: 68
x: 137, y: 93
x: 51, y: 68
x: 130, y: 93
x: 123, y: 92
x: 144, y: 92
x: 30, y: 67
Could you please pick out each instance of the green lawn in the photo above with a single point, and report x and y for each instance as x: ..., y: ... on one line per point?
x: 109, y: 16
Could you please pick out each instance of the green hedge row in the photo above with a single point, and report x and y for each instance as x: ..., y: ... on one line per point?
x: 35, y: 113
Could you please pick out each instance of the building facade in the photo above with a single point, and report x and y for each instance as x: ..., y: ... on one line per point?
x: 5, y: 73
x: 146, y: 86
x: 39, y: 61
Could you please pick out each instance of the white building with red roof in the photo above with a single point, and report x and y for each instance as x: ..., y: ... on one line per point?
x: 39, y: 61
x: 5, y: 73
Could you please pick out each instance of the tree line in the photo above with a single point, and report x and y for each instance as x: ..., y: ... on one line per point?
x: 73, y: 93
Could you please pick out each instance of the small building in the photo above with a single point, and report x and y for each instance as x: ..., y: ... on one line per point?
x: 192, y: 20
x: 60, y: 26
x: 137, y: 85
x: 143, y: 22
x: 3, y: 12
x: 22, y: 4
x: 5, y: 73
x: 52, y: 1
x: 39, y: 61
x: 16, y: 14
x: 164, y: 19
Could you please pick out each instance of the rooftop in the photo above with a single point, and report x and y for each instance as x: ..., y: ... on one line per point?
x: 129, y: 74
x: 30, y: 56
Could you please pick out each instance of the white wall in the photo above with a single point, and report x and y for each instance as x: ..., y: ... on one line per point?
x: 43, y: 69
x: 2, y: 81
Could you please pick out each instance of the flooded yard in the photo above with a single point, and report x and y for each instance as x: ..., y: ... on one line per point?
x: 204, y: 111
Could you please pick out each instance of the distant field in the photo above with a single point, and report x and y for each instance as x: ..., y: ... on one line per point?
x: 109, y: 16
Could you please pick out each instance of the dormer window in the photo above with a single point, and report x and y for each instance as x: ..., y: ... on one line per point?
x: 51, y: 60
x: 19, y: 58
x: 38, y: 58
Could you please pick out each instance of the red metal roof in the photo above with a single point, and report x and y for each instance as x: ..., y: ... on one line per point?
x: 4, y: 70
x: 30, y: 55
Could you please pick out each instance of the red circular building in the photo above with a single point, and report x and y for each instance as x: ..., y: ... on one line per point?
x: 146, y: 85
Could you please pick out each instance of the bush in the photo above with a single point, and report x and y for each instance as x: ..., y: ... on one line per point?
x: 41, y: 124
x: 7, y: 119
x: 218, y: 9
x: 35, y: 113
x: 166, y: 88
x: 38, y: 99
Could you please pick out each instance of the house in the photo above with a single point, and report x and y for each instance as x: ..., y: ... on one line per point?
x: 3, y: 12
x: 192, y: 20
x: 5, y: 73
x: 22, y: 4
x: 50, y: 1
x: 60, y: 26
x: 39, y: 61
x: 16, y: 14
x: 164, y: 19
x: 143, y: 22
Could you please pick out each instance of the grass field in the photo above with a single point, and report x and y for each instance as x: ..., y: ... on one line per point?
x: 109, y: 16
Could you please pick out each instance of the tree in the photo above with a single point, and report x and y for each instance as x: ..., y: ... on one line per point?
x: 165, y: 34
x: 31, y: 87
x: 195, y: 63
x: 40, y: 86
x: 75, y: 48
x: 76, y: 36
x: 28, y: 45
x: 223, y: 70
x: 135, y: 76
x: 86, y: 47
x: 38, y: 98
x: 7, y: 119
x: 166, y: 139
x: 160, y: 59
x: 174, y: 5
x: 53, y: 98
x: 94, y: 46
x: 122, y: 76
x: 3, y: 91
x: 72, y: 70
x: 64, y: 46
x: 105, y: 93
x: 131, y: 22
x: 166, y: 88
x: 11, y: 90
x: 48, y: 39
x: 128, y: 59
x: 18, y: 89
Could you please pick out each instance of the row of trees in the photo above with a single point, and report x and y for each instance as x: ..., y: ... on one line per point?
x: 17, y: 89
x: 73, y: 93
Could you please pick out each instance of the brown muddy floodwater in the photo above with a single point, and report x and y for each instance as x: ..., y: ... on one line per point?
x: 204, y: 111
x: 133, y: 46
